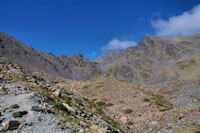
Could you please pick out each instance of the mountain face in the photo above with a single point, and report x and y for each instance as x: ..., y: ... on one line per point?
x: 73, y: 67
x: 155, y: 59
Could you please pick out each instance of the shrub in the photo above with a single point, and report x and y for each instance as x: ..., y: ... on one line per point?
x: 59, y: 106
x: 99, y: 86
x: 128, y: 111
x: 144, y: 75
x: 99, y: 111
x: 121, y: 102
x: 94, y: 99
x: 163, y: 110
x: 109, y: 104
x: 100, y: 103
x: 70, y: 119
x: 67, y: 99
x: 86, y: 86
x: 146, y: 100
x: 79, y: 102
x: 130, y: 123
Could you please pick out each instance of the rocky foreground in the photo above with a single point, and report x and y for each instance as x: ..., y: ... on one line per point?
x: 38, y: 102
x: 31, y: 104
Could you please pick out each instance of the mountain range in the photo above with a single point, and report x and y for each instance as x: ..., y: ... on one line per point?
x: 152, y: 87
x: 153, y: 60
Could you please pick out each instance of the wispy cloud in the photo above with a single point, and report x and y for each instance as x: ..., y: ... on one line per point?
x: 185, y: 24
x: 118, y: 44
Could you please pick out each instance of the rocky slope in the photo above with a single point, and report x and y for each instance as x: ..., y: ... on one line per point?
x: 38, y: 95
x: 74, y: 67
x: 155, y: 60
x: 30, y: 103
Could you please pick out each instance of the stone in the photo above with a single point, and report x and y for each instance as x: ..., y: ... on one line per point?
x: 69, y: 107
x: 59, y: 92
x: 10, y: 125
x: 1, y: 88
x: 19, y: 114
x: 38, y: 118
x: 6, y: 110
x: 14, y: 106
x: 37, y: 108
x: 1, y: 120
x: 1, y: 76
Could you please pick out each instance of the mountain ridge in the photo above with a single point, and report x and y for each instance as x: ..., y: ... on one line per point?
x: 154, y: 59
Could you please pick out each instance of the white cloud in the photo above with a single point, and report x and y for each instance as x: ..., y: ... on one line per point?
x: 185, y: 24
x: 117, y: 44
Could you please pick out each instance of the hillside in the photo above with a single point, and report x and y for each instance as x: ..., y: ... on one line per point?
x: 74, y: 67
x: 42, y: 92
x: 155, y: 60
x: 35, y: 102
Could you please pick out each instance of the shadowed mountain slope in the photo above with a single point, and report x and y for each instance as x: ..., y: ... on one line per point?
x: 73, y: 67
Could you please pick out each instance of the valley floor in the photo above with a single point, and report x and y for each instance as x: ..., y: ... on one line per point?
x: 30, y: 102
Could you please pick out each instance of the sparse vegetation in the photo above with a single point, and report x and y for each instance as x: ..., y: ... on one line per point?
x: 109, y: 104
x: 86, y: 86
x: 70, y: 119
x: 121, y: 102
x: 66, y: 99
x: 146, y: 100
x: 128, y: 111
x: 99, y: 111
x: 163, y: 110
x: 94, y: 99
x: 99, y: 86
x: 129, y: 123
x: 79, y: 102
x: 144, y: 75
x: 59, y: 106
x: 100, y: 103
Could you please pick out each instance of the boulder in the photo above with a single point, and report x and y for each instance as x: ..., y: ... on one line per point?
x: 10, y: 125
x: 1, y: 76
x: 59, y: 92
x: 37, y: 108
x: 19, y: 114
x: 68, y: 107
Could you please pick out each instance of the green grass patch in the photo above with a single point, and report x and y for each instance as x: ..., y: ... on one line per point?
x: 99, y: 86
x: 121, y: 102
x: 66, y: 99
x: 146, y: 100
x: 70, y: 119
x: 130, y: 123
x: 99, y: 111
x: 109, y: 104
x: 100, y: 103
x: 144, y: 75
x: 163, y: 110
x: 128, y: 111
x: 86, y: 86
x: 94, y: 99
x: 79, y: 102
x: 59, y: 106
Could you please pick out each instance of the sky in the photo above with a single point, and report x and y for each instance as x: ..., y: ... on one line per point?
x: 91, y: 27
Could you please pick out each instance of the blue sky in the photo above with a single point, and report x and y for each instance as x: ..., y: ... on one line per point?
x: 90, y: 27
